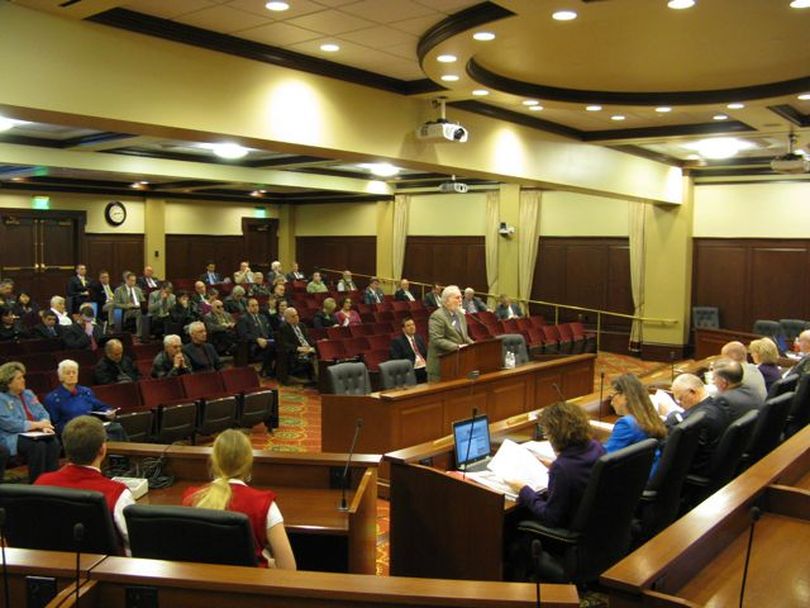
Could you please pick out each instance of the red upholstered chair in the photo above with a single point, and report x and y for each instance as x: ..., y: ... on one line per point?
x: 400, y: 305
x: 176, y: 413
x: 384, y: 315
x: 373, y: 359
x: 355, y: 346
x: 41, y: 382
x: 523, y: 323
x: 338, y: 333
x: 136, y: 420
x: 84, y: 357
x: 364, y: 329
x: 216, y: 408
x: 478, y: 331
x: 331, y: 350
x: 535, y: 338
x: 510, y: 326
x: 317, y: 333
x: 37, y: 362
x: 566, y: 338
x: 43, y: 345
x: 416, y: 305
x: 537, y: 321
x: 587, y: 336
x: 255, y: 403
x: 379, y: 341
x: 551, y: 338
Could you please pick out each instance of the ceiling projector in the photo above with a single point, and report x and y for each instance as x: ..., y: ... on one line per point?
x: 442, y: 131
x: 791, y: 162
x: 455, y: 187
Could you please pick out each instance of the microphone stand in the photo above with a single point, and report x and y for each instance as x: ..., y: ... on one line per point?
x: 672, y: 366
x: 601, y: 394
x: 537, y: 552
x: 344, y: 506
x: 6, y: 600
x: 755, y: 513
x: 472, y: 377
x: 78, y: 536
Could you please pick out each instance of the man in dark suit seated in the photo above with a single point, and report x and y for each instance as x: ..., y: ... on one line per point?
x: 128, y: 299
x: 78, y: 288
x: 48, y: 329
x: 411, y: 346
x: 296, y: 352
x: 690, y: 393
x: 210, y: 276
x: 254, y: 329
x: 171, y: 361
x: 433, y: 298
x: 11, y: 328
x: 507, y: 309
x: 236, y: 302
x: 222, y: 328
x: 472, y: 303
x: 803, y: 366
x: 404, y: 292
x: 115, y: 366
x: 84, y: 333
x: 103, y: 294
x: 148, y: 282
x: 295, y: 274
x: 373, y: 294
x: 203, y: 356
x: 733, y: 396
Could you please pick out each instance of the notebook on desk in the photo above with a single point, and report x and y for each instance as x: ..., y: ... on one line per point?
x: 472, y: 445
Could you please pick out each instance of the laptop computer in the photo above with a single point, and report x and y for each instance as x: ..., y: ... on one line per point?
x: 472, y: 445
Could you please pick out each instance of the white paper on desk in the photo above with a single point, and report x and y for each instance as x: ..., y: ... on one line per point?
x: 493, y: 481
x: 514, y: 461
x: 664, y: 404
x: 36, y: 434
x: 542, y: 449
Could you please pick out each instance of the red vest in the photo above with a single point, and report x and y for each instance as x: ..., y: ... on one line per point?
x: 83, y: 478
x: 253, y: 503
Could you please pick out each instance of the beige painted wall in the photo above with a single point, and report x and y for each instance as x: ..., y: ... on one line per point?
x: 447, y: 214
x: 210, y: 217
x: 337, y: 219
x: 753, y: 210
x: 573, y: 214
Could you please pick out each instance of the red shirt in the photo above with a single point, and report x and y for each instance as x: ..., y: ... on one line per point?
x: 83, y: 478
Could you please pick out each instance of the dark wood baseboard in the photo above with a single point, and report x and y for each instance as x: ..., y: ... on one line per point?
x: 664, y: 352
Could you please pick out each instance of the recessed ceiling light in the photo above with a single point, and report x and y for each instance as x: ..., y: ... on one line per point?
x: 381, y: 169
x: 617, y: 117
x: 735, y: 106
x: 330, y: 47
x: 564, y: 15
x: 480, y: 92
x: 141, y: 185
x: 530, y: 102
x: 800, y: 4
x: 450, y: 78
x: 484, y: 36
x: 680, y: 4
x: 277, y: 7
x: 663, y: 109
x: 804, y: 96
x: 535, y: 108
x: 257, y: 193
x: 593, y: 108
x: 446, y: 58
x: 720, y: 117
x: 228, y: 150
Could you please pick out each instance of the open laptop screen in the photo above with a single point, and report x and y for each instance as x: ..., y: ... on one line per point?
x: 471, y: 437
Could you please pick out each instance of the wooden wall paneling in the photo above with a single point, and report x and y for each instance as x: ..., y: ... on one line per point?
x: 114, y: 253
x: 586, y: 267
x: 187, y: 254
x: 457, y: 260
x: 619, y: 287
x: 780, y: 272
x: 357, y: 253
x: 720, y: 279
x: 549, y: 277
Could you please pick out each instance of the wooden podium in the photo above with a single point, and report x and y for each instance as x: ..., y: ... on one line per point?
x: 484, y: 356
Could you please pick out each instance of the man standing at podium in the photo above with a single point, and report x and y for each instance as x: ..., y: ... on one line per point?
x: 447, y: 330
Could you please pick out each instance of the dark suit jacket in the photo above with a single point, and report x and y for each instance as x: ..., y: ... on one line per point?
x: 432, y: 300
x: 141, y: 282
x: 738, y: 401
x: 76, y: 338
x: 401, y: 348
x: 286, y: 340
x: 75, y: 288
x: 204, y: 278
x: 16, y: 332
x: 296, y: 276
x: 98, y: 296
x: 715, y: 421
x: 106, y: 372
x: 369, y: 293
x: 502, y: 312
x: 198, y: 359
x: 40, y: 331
x: 249, y: 330
x: 399, y: 294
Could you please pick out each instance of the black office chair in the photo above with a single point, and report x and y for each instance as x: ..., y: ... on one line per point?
x: 660, y: 500
x: 348, y: 379
x: 769, y: 329
x: 799, y: 414
x: 723, y: 464
x: 43, y: 517
x: 599, y: 534
x: 767, y: 430
x: 792, y: 328
x: 514, y: 343
x: 783, y: 385
x: 396, y: 373
x: 189, y: 534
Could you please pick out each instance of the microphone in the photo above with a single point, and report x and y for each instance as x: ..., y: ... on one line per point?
x: 344, y: 506
x: 601, y: 394
x: 469, y: 441
x: 755, y: 514
x: 559, y: 392
x: 537, y: 552
x: 78, y: 536
x: 6, y: 600
x: 672, y: 365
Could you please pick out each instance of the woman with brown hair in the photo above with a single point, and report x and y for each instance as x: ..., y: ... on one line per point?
x: 638, y: 419
x: 231, y: 463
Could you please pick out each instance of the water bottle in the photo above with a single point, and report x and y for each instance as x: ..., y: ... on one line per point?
x: 510, y: 360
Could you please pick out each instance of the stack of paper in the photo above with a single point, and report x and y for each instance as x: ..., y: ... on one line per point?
x: 513, y: 461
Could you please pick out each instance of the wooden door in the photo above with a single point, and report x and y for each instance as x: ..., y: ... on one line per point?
x: 261, y: 242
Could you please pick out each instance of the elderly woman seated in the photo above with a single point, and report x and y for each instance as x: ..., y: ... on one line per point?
x: 71, y: 400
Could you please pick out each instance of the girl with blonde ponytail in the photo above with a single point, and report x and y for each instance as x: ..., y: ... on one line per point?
x: 231, y: 463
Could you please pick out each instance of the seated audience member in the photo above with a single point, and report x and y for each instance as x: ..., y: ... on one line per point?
x: 346, y: 315
x: 568, y: 429
x: 58, y: 308
x: 470, y: 303
x: 752, y: 377
x: 733, y: 395
x: 210, y: 276
x: 276, y: 273
x: 84, y: 333
x: 295, y: 274
x: 183, y: 313
x: 220, y: 325
x: 7, y: 292
x: 171, y: 361
x: 231, y: 463
x: 128, y: 299
x: 765, y: 356
x: 346, y: 283
x: 25, y: 305
x: 638, y: 418
x: 433, y: 298
x: 199, y: 297
x: 148, y: 282
x: 21, y: 412
x: 404, y: 294
x: 70, y: 400
x: 259, y: 287
x: 275, y: 315
x: 373, y: 294
x: 690, y: 393
x: 161, y: 302
x: 507, y: 309
x: 78, y: 288
x: 279, y: 292
x: 236, y: 302
x: 296, y: 352
x: 254, y: 329
x: 11, y: 328
x: 244, y: 274
x: 316, y: 285
x: 325, y: 317
x: 201, y: 354
x: 103, y: 295
x: 410, y: 345
x: 803, y: 366
x: 115, y: 367
x: 86, y: 448
x: 48, y: 328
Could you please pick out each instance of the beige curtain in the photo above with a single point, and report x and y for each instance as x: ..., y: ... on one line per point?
x: 636, y: 213
x: 491, y: 240
x: 402, y: 204
x: 528, y: 233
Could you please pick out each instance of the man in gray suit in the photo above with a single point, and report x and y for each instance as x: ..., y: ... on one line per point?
x: 447, y: 330
x: 128, y: 298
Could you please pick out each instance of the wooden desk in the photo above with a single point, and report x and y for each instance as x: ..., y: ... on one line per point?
x: 398, y: 418
x: 308, y: 490
x: 697, y: 560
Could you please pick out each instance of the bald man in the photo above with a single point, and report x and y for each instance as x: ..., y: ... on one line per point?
x: 733, y: 396
x: 752, y: 377
x: 803, y: 366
